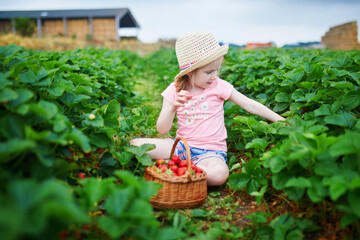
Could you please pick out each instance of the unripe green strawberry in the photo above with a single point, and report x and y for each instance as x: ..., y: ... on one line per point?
x: 92, y: 116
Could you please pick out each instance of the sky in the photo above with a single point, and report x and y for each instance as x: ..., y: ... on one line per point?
x: 231, y: 21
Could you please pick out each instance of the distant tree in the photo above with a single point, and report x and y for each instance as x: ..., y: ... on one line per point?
x: 25, y: 26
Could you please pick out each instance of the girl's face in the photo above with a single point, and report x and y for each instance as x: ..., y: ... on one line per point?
x: 202, y: 77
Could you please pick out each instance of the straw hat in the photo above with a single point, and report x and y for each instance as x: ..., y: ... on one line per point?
x: 197, y: 49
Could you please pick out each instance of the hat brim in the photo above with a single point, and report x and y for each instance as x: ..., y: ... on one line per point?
x: 219, y: 52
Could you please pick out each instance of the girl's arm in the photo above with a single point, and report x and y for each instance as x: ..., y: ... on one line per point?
x: 254, y: 107
x: 166, y: 117
x: 168, y: 110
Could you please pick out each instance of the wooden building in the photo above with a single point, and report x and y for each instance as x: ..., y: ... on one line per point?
x: 342, y: 37
x: 98, y: 24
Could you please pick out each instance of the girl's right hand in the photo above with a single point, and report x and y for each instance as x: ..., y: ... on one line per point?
x: 181, y: 98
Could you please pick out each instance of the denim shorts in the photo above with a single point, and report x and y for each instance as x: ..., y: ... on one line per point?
x: 197, y: 154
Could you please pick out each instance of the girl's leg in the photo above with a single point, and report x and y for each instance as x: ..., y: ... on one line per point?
x: 162, y: 150
x: 216, y: 169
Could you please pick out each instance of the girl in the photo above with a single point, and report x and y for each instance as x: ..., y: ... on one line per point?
x: 197, y: 96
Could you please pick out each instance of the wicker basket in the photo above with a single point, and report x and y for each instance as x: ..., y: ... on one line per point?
x: 184, y: 191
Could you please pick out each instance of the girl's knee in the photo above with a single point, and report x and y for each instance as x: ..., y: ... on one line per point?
x: 218, y: 177
x: 217, y: 174
x: 135, y: 142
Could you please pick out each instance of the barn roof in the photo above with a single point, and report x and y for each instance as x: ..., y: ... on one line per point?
x: 127, y: 19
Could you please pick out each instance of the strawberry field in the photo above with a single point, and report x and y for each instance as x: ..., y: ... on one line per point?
x: 68, y: 172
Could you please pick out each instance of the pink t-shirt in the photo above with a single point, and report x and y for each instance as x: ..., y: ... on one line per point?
x: 201, y: 120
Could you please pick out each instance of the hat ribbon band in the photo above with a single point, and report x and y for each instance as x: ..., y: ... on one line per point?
x: 183, y: 67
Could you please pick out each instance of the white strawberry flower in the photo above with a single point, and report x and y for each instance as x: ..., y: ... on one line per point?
x: 190, y: 121
x: 195, y: 102
x: 186, y: 112
x: 202, y: 98
x: 192, y: 109
x: 204, y: 106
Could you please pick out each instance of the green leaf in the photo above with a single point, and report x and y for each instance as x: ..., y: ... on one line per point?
x: 299, y: 182
x: 101, y: 140
x: 98, y: 122
x: 344, y: 119
x: 277, y: 163
x: 12, y: 126
x: 199, y: 213
x: 49, y: 107
x: 14, y: 147
x: 324, y: 110
x: 28, y: 77
x: 8, y: 94
x: 351, y: 99
x: 170, y: 233
x: 114, y: 227
x: 294, y: 193
x: 145, y: 160
x: 140, y: 151
x: 149, y: 189
x: 60, y: 123
x: 79, y: 138
x: 349, y: 143
x: 119, y: 200
x: 282, y: 97
x: 10, y: 50
x: 34, y: 135
x: 353, y: 198
x: 318, y: 191
x: 23, y: 96
x: 348, y: 219
x: 338, y: 185
x: 112, y: 110
x: 140, y: 209
x: 56, y: 90
x: 3, y: 81
x: 238, y: 181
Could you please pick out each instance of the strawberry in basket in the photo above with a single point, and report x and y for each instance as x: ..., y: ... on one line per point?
x: 183, y: 183
x: 176, y: 166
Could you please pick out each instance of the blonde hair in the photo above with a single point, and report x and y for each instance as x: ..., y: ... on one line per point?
x: 180, y: 83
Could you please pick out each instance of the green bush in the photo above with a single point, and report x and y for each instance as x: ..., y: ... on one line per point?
x: 25, y: 26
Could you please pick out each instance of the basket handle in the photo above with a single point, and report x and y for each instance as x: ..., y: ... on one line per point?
x: 187, y: 150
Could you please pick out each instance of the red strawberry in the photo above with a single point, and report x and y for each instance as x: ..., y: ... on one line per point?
x: 303, y: 112
x: 198, y: 171
x: 100, y: 150
x: 82, y: 175
x: 176, y: 159
x: 163, y: 167
x: 171, y: 163
x: 181, y: 171
x: 183, y: 163
x: 160, y: 162
x: 174, y: 169
x: 193, y: 166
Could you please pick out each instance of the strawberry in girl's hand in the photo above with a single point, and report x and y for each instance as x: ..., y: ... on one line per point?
x: 176, y: 159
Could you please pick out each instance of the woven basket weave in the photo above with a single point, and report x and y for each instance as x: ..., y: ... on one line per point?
x: 184, y: 191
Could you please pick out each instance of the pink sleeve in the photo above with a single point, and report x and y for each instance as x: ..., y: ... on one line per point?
x: 169, y: 93
x: 226, y: 89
